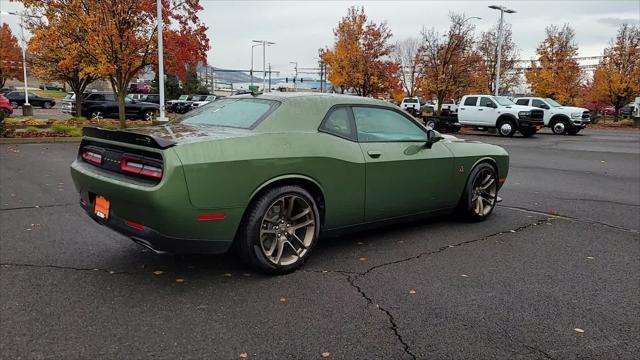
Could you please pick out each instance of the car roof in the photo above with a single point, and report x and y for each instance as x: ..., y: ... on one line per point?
x: 293, y: 97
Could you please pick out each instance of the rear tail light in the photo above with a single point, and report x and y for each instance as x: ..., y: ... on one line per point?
x: 91, y: 156
x: 140, y: 166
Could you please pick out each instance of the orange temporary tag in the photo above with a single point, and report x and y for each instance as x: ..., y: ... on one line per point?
x: 101, y: 208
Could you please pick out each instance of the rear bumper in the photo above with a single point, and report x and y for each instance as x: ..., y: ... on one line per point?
x: 154, y: 240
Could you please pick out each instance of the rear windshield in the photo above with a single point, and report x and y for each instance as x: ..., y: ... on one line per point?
x: 243, y: 113
x: 412, y: 101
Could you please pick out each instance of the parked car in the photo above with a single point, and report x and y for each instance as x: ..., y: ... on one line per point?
x: 98, y: 105
x: 271, y: 172
x: 51, y: 87
x: 16, y: 98
x: 410, y: 104
x: 486, y: 111
x: 561, y: 119
x: 180, y: 105
x: 200, y: 100
x: 610, y: 111
x: 152, y: 98
x: 5, y: 107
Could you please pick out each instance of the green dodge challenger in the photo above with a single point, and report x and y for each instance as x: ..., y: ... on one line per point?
x: 267, y: 174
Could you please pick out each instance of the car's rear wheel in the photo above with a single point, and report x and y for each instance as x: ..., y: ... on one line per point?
x: 47, y: 105
x: 149, y: 115
x: 559, y: 127
x: 506, y: 128
x: 14, y: 104
x: 431, y: 124
x: 480, y: 194
x: 97, y: 115
x: 280, y: 230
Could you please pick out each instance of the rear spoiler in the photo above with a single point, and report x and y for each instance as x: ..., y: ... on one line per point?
x: 127, y: 137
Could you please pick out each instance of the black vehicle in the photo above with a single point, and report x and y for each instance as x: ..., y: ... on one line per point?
x: 180, y: 105
x: 98, y: 105
x: 16, y: 98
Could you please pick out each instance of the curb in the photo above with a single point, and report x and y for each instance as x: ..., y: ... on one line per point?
x: 40, y: 140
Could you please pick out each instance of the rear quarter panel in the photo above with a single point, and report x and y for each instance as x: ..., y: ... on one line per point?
x: 226, y: 173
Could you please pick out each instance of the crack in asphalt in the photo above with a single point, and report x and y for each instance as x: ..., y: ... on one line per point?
x: 567, y: 217
x: 111, y: 272
x: 516, y: 340
x: 352, y: 276
x: 36, y: 207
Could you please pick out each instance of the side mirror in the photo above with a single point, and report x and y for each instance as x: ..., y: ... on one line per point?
x: 432, y: 138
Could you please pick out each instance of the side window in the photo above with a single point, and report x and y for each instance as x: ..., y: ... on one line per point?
x: 383, y: 125
x: 523, y: 102
x: 95, y: 97
x: 109, y: 97
x: 537, y: 103
x: 471, y: 101
x: 338, y: 123
x: 484, y: 101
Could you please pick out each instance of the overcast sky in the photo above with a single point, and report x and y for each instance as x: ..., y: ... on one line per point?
x: 299, y: 28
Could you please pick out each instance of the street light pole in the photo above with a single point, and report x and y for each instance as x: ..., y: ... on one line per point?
x: 160, y: 60
x: 499, y: 48
x: 251, y: 71
x: 264, y: 44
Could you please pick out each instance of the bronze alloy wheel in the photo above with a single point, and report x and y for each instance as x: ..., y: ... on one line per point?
x: 484, y: 193
x: 287, y: 230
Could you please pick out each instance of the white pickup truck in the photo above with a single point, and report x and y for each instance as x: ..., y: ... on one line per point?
x: 561, y: 119
x: 487, y: 111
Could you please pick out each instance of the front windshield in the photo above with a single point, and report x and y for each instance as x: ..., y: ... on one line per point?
x: 504, y: 101
x: 244, y: 113
x: 552, y: 102
x: 183, y: 97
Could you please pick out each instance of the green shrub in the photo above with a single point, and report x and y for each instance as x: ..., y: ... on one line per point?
x: 11, y: 121
x: 32, y: 129
x: 61, y: 128
x: 75, y: 132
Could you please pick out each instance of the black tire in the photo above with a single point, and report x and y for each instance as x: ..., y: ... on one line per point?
x: 431, y: 124
x: 248, y: 242
x: 573, y: 131
x: 528, y: 132
x: 47, y: 105
x: 559, y: 127
x: 148, y: 114
x: 96, y: 114
x: 14, y: 104
x: 506, y: 128
x: 468, y: 208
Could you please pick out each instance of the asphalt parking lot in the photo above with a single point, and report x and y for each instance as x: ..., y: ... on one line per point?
x: 553, y: 274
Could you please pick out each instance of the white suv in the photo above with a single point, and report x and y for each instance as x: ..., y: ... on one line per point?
x: 561, y: 119
x: 411, y: 104
x: 487, y: 111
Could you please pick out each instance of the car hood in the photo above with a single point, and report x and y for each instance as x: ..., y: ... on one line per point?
x: 187, y: 133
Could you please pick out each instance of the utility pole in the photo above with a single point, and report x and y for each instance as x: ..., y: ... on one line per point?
x: 269, y: 77
x: 295, y: 77
x: 503, y: 10
x: 251, y: 71
x: 264, y: 44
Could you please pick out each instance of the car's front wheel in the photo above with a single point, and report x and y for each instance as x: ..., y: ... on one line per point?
x: 148, y: 115
x: 14, y: 104
x: 506, y: 128
x: 47, y: 105
x: 97, y: 115
x: 431, y: 124
x: 559, y: 127
x: 480, y: 194
x: 279, y: 230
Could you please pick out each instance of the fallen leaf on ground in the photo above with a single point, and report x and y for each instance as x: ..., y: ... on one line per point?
x: 360, y: 243
x: 179, y: 280
x: 464, y: 275
x: 325, y: 354
x: 283, y: 300
x: 246, y: 274
x: 578, y: 330
x: 158, y: 272
x: 412, y: 291
x: 590, y: 257
x: 244, y: 355
x: 227, y: 274
x: 363, y: 259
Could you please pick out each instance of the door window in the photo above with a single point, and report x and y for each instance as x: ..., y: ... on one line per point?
x: 339, y: 123
x: 537, y: 103
x: 524, y: 102
x: 385, y: 125
x: 486, y: 102
x: 471, y: 101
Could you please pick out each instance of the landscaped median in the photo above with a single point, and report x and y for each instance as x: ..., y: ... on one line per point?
x: 32, y: 130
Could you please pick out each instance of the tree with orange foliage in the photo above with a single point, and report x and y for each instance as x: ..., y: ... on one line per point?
x: 450, y: 61
x: 556, y: 74
x: 54, y: 56
x: 359, y: 60
x: 119, y: 36
x: 10, y: 56
x: 617, y: 78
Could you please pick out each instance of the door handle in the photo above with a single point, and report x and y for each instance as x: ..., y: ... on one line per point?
x: 374, y: 154
x: 480, y: 109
